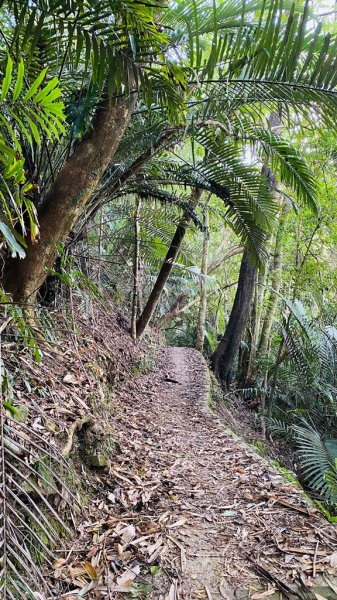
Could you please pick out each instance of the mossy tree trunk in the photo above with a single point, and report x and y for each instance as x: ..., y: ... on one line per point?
x: 256, y: 318
x: 68, y: 196
x: 276, y: 280
x: 136, y: 269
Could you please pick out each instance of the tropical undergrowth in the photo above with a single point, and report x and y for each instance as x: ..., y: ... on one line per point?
x: 295, y: 395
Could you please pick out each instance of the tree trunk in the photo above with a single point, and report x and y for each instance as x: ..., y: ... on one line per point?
x: 166, y: 268
x: 69, y: 194
x: 199, y: 344
x: 140, y: 290
x: 179, y: 305
x: 224, y: 355
x: 251, y: 368
x: 174, y: 310
x: 136, y: 273
x: 262, y: 276
x: 276, y: 285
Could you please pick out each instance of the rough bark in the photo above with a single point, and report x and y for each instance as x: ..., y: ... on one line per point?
x: 140, y: 289
x: 135, y: 299
x: 69, y: 194
x: 167, y: 265
x: 260, y: 287
x: 225, y: 354
x: 200, y: 338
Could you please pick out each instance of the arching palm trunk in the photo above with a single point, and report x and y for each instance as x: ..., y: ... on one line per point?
x: 174, y: 310
x: 225, y: 354
x: 167, y: 265
x: 69, y: 194
x: 179, y: 305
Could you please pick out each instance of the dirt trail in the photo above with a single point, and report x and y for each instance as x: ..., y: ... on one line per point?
x: 214, y: 516
x: 229, y: 495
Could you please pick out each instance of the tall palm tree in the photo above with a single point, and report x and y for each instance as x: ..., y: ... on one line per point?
x: 276, y: 63
x: 222, y: 62
x: 102, y: 64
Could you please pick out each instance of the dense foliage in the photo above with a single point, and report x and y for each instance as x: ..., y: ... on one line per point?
x: 190, y: 138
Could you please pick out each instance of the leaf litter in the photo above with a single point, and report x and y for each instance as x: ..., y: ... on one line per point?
x: 186, y: 510
x: 183, y: 509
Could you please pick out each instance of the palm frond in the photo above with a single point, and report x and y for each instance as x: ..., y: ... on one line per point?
x: 278, y: 428
x: 28, y: 113
x: 33, y: 496
x: 317, y: 457
x: 285, y: 159
x: 314, y: 457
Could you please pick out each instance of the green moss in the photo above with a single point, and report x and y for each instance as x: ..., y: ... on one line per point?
x: 141, y: 591
x: 211, y: 401
x: 52, y: 527
x: 261, y: 447
x: 79, y: 197
x: 288, y: 475
x: 144, y: 365
x: 329, y: 517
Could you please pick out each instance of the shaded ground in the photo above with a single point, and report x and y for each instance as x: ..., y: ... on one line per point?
x: 186, y: 511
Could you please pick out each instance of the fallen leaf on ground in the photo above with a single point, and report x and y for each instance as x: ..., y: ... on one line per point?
x: 333, y: 559
x: 125, y: 581
x: 128, y: 534
x: 70, y: 378
x: 90, y: 570
x: 172, y: 593
x: 264, y: 594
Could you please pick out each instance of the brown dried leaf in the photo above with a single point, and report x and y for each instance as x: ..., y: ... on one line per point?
x: 93, y: 551
x: 90, y: 570
x: 125, y: 581
x: 172, y: 593
x: 59, y: 563
x: 264, y: 594
x: 177, y: 524
x: 70, y: 378
x: 128, y: 534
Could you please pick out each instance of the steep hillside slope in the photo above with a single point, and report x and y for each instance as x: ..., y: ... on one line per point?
x: 172, y: 505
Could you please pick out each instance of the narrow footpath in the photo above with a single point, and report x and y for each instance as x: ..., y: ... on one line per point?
x: 187, y: 511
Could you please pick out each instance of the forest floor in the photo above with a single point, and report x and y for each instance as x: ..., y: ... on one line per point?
x: 187, y: 510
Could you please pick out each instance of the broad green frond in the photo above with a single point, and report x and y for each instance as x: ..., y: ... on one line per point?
x: 27, y: 115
